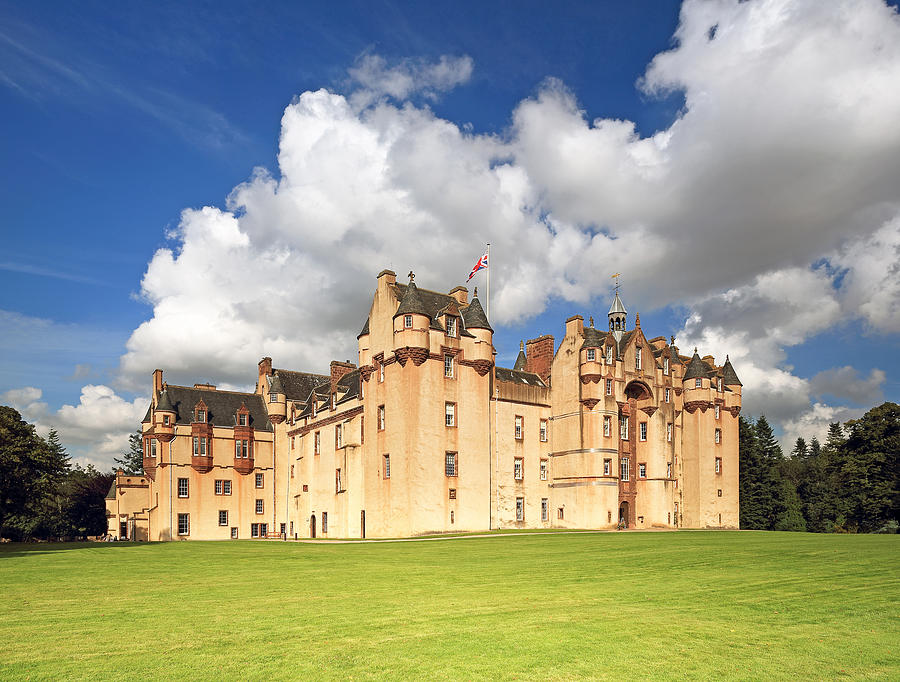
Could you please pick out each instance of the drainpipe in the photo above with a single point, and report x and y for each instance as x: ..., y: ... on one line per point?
x: 171, y: 481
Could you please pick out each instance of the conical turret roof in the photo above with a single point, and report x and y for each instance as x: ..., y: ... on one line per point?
x: 164, y: 403
x: 729, y: 376
x: 275, y: 385
x: 617, y: 306
x: 521, y: 360
x: 412, y: 303
x: 474, y: 316
x: 696, y: 368
x: 365, y: 329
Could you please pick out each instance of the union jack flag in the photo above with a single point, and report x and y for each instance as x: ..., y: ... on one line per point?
x: 480, y: 265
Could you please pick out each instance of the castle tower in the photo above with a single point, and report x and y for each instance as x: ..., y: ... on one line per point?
x: 617, y: 317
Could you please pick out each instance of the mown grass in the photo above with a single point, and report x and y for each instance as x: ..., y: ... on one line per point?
x: 685, y: 605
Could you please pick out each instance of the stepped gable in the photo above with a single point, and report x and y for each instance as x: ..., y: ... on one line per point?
x: 516, y: 376
x: 429, y: 303
x: 298, y: 385
x: 729, y: 376
x: 474, y: 317
x: 221, y: 406
x: 697, y: 368
x: 521, y: 359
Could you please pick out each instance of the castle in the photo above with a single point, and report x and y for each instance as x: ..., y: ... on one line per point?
x: 425, y: 434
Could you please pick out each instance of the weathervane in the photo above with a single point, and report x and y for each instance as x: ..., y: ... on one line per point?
x: 412, y: 276
x: 616, y: 277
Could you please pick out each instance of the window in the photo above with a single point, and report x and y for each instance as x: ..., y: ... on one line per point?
x: 234, y: 534
x: 380, y: 372
x: 559, y: 513
x: 609, y: 387
x: 448, y: 366
x: 607, y: 426
x: 719, y: 384
x: 543, y: 430
x: 624, y: 469
x: 520, y: 509
x: 518, y: 468
x: 452, y: 517
x: 292, y: 527
x: 314, y: 406
x: 609, y: 359
x: 200, y: 446
x: 719, y: 494
x: 293, y: 443
x: 642, y: 470
x: 698, y: 382
x: 449, y: 414
x: 282, y: 530
x: 637, y: 357
x: 381, y: 417
x: 607, y: 467
x: 407, y: 321
x: 338, y: 436
x: 226, y: 487
x: 665, y: 365
x: 273, y: 397
x: 255, y: 529
x: 544, y: 467
x: 219, y: 487
x: 387, y: 466
x: 545, y: 511
x: 333, y: 401
x: 717, y: 412
x: 591, y: 354
x: 668, y: 469
x: 223, y: 517
x: 518, y: 429
x: 450, y: 468
x: 337, y: 481
x: 669, y: 433
x: 452, y: 493
x: 718, y: 436
x: 317, y: 443
x: 623, y: 428
x: 153, y: 447
x: 292, y: 470
x: 362, y: 429
x: 451, y: 326
x: 643, y: 430
x: 201, y: 416
x: 184, y: 524
x: 718, y: 465
x: 242, y: 418
x: 324, y: 522
x: 260, y: 506
x: 165, y: 420
x: 668, y: 393
x: 182, y: 487
x: 259, y: 480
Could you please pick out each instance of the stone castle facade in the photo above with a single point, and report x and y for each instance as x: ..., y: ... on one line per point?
x: 425, y: 434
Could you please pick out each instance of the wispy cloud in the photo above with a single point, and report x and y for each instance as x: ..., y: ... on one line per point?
x: 46, y: 272
x: 35, y: 74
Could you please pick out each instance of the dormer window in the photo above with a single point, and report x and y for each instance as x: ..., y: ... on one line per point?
x: 451, y: 327
x: 698, y: 382
x: 665, y: 365
x: 201, y: 416
x: 273, y: 397
x: 333, y: 400
x: 591, y: 354
x: 609, y: 358
x: 314, y: 405
x: 407, y: 321
x: 242, y: 419
x: 719, y: 383
x: 637, y: 357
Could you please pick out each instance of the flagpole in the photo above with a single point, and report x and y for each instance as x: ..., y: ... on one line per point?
x: 489, y: 282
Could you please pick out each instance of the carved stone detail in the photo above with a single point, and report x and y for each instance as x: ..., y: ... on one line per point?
x: 590, y: 402
x: 649, y: 410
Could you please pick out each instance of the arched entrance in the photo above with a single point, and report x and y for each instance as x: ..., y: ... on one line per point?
x: 623, y: 515
x: 312, y: 526
x: 637, y: 390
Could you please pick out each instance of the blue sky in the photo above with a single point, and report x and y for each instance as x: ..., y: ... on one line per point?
x: 749, y: 213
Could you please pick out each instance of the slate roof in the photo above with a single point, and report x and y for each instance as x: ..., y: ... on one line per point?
x: 221, y: 406
x: 474, y: 317
x: 521, y: 359
x: 275, y: 384
x: 519, y: 377
x: 593, y: 338
x: 432, y: 303
x: 729, y: 375
x: 164, y: 403
x: 111, y: 495
x: 412, y: 304
x: 365, y: 329
x: 298, y: 385
x: 697, y: 368
x: 617, y: 306
x: 349, y: 383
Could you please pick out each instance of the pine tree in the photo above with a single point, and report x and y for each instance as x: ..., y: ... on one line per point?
x: 752, y: 513
x: 132, y: 461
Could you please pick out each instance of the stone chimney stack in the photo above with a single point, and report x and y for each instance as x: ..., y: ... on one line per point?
x: 461, y: 294
x: 157, y: 385
x: 539, y: 356
x: 338, y: 370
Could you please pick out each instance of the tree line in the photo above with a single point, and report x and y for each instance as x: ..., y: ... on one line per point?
x: 43, y: 495
x: 851, y: 483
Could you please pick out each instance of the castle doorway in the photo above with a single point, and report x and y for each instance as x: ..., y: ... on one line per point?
x: 312, y: 526
x: 623, y: 515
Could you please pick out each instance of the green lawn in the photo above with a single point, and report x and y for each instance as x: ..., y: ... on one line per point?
x: 685, y: 605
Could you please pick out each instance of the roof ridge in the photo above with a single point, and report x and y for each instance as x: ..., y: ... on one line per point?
x: 213, y: 390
